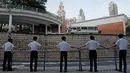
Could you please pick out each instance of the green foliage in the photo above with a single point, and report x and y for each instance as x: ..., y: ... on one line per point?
x: 32, y: 3
x: 128, y: 28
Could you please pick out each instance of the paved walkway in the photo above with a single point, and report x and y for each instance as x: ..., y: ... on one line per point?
x: 102, y: 69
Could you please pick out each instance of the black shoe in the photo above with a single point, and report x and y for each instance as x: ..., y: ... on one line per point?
x: 9, y: 70
x: 4, y: 70
x: 65, y: 71
x: 96, y: 70
x: 119, y: 70
x: 31, y: 70
x: 35, y: 70
x: 125, y: 71
x: 90, y: 70
x: 60, y: 70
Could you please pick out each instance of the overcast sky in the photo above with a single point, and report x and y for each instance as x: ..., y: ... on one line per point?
x: 92, y: 8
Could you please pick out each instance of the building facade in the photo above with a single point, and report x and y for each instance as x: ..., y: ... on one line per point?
x: 105, y: 25
x: 113, y: 9
x: 27, y: 19
x: 81, y: 15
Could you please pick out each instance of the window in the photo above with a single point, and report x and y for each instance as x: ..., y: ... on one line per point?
x: 90, y: 28
x: 95, y: 28
x: 84, y: 28
x: 78, y: 28
x: 74, y: 28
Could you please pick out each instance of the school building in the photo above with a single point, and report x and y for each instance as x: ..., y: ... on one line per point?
x: 105, y: 25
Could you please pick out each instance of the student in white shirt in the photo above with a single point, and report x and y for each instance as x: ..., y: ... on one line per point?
x: 123, y: 45
x: 92, y: 45
x: 64, y: 47
x: 34, y: 46
x: 8, y: 47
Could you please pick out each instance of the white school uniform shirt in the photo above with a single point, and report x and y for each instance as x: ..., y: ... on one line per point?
x: 34, y: 46
x: 122, y: 44
x: 64, y: 46
x: 8, y: 46
x: 92, y: 44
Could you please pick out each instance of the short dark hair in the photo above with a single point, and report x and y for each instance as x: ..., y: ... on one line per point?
x: 35, y: 38
x: 92, y: 37
x: 10, y: 40
x: 120, y: 35
x: 63, y: 38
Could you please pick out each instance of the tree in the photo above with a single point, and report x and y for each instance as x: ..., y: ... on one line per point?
x: 32, y: 3
x: 128, y: 26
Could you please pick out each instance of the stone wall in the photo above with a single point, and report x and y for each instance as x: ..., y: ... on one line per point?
x: 49, y: 51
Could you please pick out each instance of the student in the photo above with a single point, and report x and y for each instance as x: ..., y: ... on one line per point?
x: 34, y: 46
x: 123, y: 46
x: 8, y: 47
x: 64, y: 47
x: 92, y: 45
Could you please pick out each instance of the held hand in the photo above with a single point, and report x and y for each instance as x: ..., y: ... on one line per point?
x: 78, y: 48
x: 107, y: 47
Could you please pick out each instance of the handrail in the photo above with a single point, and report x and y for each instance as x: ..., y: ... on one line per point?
x: 35, y: 11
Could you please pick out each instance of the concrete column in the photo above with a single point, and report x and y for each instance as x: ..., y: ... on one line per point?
x: 33, y: 28
x: 59, y: 29
x: 36, y: 9
x: 6, y: 6
x: 10, y: 23
x: 22, y: 7
x: 16, y: 27
x: 46, y: 29
x: 20, y: 27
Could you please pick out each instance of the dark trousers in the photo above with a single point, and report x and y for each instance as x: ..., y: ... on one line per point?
x: 122, y: 56
x: 63, y: 54
x: 93, y: 58
x: 34, y: 57
x: 7, y: 56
